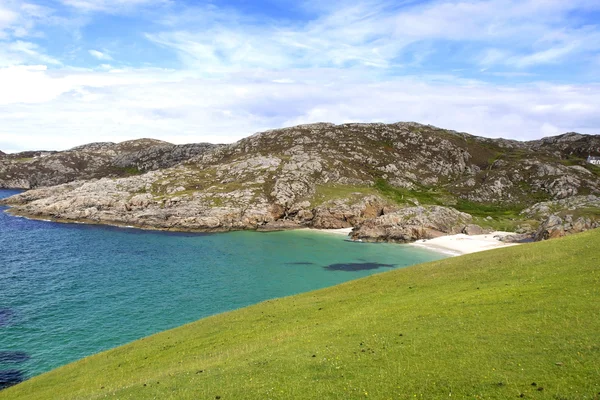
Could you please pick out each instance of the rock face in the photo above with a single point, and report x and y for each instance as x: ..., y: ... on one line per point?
x: 555, y: 226
x: 33, y: 169
x: 564, y: 217
x: 572, y: 204
x: 412, y: 223
x: 318, y: 175
x: 568, y: 145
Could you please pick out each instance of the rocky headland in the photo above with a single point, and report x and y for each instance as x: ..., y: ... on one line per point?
x: 31, y: 169
x: 391, y: 182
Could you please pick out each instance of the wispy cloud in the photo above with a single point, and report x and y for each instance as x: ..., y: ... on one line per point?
x: 100, y: 55
x: 21, y: 52
x: 382, y: 34
x: 111, y: 6
x: 59, y: 110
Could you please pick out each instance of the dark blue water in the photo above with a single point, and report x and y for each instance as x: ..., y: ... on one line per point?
x: 69, y: 290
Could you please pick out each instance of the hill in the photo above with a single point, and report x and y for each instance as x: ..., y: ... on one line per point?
x: 518, y: 322
x: 337, y: 176
x: 31, y: 169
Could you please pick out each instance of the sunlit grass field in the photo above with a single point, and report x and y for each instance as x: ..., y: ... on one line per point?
x: 517, y: 322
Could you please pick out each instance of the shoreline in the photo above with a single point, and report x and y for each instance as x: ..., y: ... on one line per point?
x: 460, y: 244
x: 452, y: 245
x: 340, y: 231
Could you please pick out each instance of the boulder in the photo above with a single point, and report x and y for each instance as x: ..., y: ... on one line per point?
x: 472, y: 229
x: 412, y: 223
x: 555, y: 226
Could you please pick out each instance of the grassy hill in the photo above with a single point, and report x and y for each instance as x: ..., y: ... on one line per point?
x: 514, y: 322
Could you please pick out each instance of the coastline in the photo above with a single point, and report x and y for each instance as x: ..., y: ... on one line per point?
x: 453, y: 245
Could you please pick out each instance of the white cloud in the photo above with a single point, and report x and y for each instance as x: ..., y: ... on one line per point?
x: 19, y: 18
x: 61, y: 110
x: 7, y: 18
x: 100, y: 55
x: 111, y: 6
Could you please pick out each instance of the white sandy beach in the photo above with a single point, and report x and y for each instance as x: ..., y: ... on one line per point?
x: 341, y: 231
x: 452, y: 244
x: 464, y: 244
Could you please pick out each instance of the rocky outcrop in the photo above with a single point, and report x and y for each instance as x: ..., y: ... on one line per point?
x: 339, y: 214
x: 555, y: 226
x: 33, y: 169
x: 160, y: 156
x: 571, y: 205
x: 125, y: 202
x: 472, y: 229
x: 568, y: 145
x: 317, y: 175
x: 564, y: 217
x: 413, y: 223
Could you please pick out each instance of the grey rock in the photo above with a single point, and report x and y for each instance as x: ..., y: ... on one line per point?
x: 472, y: 229
x: 410, y: 224
x: 29, y: 170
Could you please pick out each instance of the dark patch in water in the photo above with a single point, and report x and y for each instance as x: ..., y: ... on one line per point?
x: 300, y: 263
x: 6, y: 315
x: 357, y: 266
x: 10, y: 378
x: 13, y: 357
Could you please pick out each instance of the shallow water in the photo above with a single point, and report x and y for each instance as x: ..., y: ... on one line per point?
x: 71, y: 290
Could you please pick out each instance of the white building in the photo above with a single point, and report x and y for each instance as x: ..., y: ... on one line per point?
x: 593, y: 160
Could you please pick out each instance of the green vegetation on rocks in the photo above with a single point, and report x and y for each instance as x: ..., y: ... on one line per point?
x: 317, y: 175
x: 517, y: 322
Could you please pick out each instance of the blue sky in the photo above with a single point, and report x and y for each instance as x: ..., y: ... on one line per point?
x: 76, y: 71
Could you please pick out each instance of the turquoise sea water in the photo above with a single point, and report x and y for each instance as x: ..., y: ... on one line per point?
x: 71, y: 290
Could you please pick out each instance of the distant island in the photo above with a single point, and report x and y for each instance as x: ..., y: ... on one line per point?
x: 390, y: 182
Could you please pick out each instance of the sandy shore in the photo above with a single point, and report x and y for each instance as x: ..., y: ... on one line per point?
x: 464, y: 244
x: 342, y: 231
x: 452, y: 244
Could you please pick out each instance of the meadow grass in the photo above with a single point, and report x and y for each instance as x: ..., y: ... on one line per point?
x: 517, y: 322
x: 326, y: 193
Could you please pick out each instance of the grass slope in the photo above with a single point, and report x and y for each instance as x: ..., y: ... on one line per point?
x: 514, y: 322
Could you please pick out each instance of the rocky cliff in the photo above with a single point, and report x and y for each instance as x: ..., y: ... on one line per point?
x: 325, y: 176
x: 33, y: 169
x: 568, y: 146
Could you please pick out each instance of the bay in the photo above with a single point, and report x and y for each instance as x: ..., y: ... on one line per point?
x: 71, y: 290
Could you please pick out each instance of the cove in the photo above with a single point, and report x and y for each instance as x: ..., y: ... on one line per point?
x: 71, y: 290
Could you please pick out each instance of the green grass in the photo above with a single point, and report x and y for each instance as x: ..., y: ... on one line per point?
x: 406, y: 196
x: 488, y: 210
x: 23, y: 159
x: 501, y: 324
x: 325, y: 193
x: 503, y: 218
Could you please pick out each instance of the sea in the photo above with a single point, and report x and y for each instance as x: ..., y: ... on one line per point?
x: 71, y: 290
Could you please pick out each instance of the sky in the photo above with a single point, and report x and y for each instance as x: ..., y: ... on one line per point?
x: 80, y: 71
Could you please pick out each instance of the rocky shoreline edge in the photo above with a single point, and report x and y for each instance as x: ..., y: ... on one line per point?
x: 448, y: 244
x: 370, y: 219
